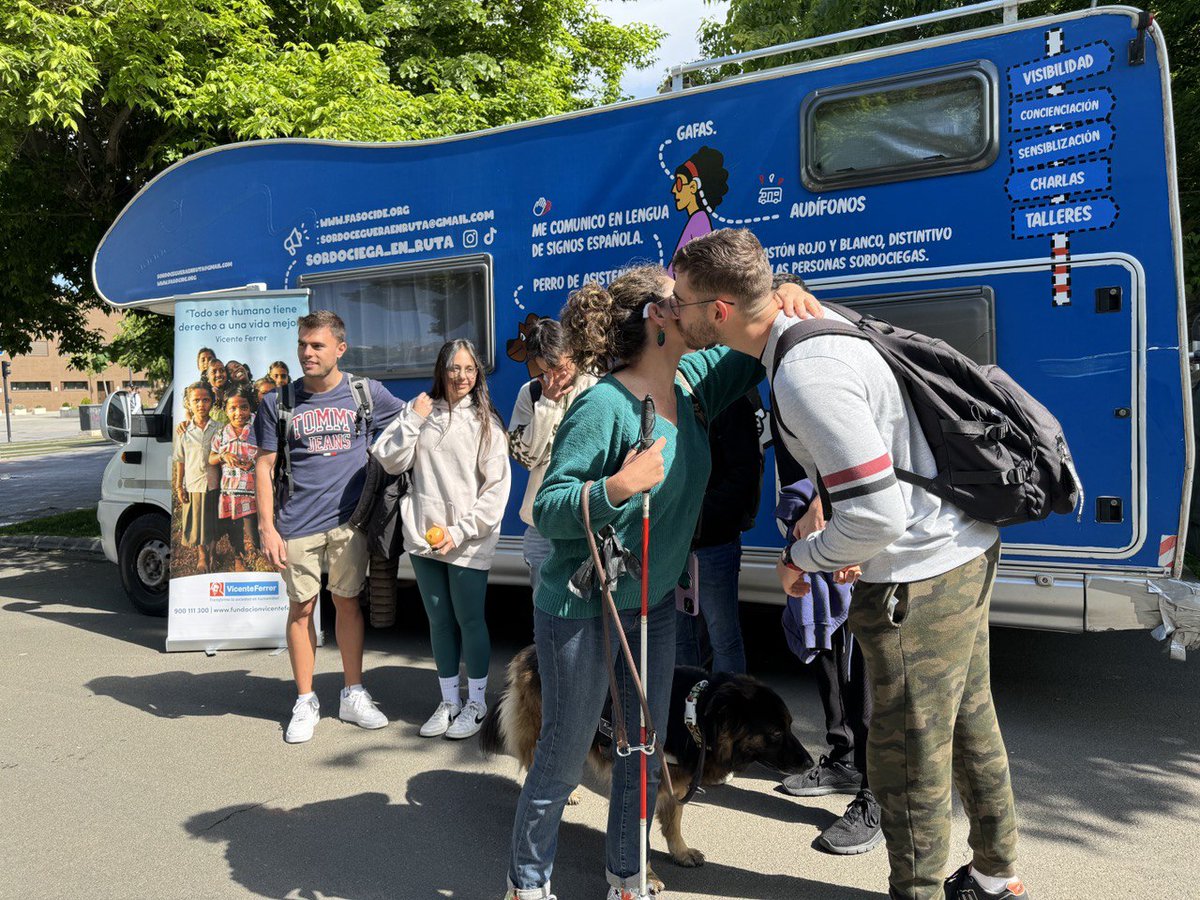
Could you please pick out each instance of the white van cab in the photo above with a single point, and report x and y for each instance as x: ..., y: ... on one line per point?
x: 135, y: 498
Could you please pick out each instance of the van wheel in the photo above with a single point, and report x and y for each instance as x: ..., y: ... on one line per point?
x: 144, y: 558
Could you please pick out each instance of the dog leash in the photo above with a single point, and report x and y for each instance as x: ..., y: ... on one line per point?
x: 620, y: 735
x: 691, y: 720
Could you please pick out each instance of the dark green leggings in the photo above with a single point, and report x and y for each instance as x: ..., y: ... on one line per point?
x: 453, y: 597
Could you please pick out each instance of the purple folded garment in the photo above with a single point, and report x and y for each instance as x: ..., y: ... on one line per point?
x: 810, y: 621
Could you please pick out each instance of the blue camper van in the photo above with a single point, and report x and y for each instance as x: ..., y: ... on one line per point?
x: 1010, y: 189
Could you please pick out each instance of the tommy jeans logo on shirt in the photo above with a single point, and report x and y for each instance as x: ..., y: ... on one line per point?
x: 325, y: 430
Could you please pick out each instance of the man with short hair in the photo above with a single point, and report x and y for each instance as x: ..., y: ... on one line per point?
x: 306, y: 529
x: 920, y: 612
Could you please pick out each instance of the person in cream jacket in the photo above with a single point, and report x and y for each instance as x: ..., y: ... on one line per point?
x: 454, y: 443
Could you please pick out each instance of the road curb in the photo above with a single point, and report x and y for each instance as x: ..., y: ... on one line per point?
x: 86, y: 546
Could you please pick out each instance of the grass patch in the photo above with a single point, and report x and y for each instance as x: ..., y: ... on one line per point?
x: 77, y: 523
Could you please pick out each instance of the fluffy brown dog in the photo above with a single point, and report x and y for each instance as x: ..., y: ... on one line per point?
x: 742, y: 720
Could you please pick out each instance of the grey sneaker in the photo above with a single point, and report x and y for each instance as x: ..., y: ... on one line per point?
x: 827, y: 777
x: 305, y: 715
x: 468, y: 722
x: 857, y: 831
x: 359, y: 709
x: 437, y: 724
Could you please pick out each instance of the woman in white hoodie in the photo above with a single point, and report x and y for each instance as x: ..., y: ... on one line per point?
x: 455, y: 445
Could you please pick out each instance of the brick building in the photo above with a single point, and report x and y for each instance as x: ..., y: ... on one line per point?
x: 44, y: 378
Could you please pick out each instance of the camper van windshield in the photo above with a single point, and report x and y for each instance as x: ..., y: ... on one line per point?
x: 898, y: 130
x: 398, y: 317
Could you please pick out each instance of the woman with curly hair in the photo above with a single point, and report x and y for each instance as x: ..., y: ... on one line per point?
x: 631, y: 331
x: 700, y: 185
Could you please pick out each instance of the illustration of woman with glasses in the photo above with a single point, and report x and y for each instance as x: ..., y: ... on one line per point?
x: 701, y: 183
x: 453, y: 442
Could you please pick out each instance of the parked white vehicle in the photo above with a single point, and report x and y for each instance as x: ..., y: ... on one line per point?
x: 135, y: 499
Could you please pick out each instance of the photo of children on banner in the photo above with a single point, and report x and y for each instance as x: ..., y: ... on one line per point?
x: 215, y: 516
x: 195, y: 482
x: 233, y: 449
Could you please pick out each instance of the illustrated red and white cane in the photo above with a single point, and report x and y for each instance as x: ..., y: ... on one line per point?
x: 646, y: 439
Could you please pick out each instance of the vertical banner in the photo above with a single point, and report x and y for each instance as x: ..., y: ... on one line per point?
x: 229, y: 353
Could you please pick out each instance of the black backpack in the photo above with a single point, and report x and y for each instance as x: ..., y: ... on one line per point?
x: 1001, y: 456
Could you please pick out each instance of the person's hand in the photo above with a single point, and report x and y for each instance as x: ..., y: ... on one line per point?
x: 798, y: 303
x: 182, y: 497
x: 422, y: 405
x: 445, y: 545
x: 642, y: 471
x: 811, y: 522
x: 181, y: 428
x: 792, y: 581
x: 848, y: 575
x: 273, y: 547
x: 555, y: 383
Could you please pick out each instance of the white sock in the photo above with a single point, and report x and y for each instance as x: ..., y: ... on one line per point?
x: 311, y: 695
x: 993, y: 884
x: 476, y: 690
x: 351, y: 688
x: 451, y: 693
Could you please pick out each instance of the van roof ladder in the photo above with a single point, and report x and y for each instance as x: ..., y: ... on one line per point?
x: 1008, y: 7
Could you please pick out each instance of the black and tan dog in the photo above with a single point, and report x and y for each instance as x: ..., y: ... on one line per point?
x: 741, y: 720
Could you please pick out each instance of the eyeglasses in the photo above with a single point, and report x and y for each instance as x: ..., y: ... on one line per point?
x: 675, y: 303
x: 469, y: 371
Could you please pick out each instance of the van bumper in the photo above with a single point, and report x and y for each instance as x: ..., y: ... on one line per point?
x: 108, y: 513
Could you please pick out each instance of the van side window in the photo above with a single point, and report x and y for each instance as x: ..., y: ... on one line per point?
x: 895, y: 129
x: 398, y: 317
x: 965, y: 318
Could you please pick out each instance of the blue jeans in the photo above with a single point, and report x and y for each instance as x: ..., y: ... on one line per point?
x: 719, y: 567
x: 574, y: 673
x: 534, y: 550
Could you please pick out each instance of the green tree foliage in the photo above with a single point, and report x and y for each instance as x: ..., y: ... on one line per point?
x: 753, y: 24
x: 96, y: 96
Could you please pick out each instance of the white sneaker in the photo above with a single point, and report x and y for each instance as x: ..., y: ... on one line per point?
x: 305, y: 715
x: 437, y: 724
x: 359, y: 709
x: 616, y: 893
x: 468, y: 722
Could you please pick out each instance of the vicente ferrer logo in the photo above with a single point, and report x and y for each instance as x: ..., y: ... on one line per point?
x: 224, y: 590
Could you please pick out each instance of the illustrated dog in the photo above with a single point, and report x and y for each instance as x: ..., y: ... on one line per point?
x: 741, y: 720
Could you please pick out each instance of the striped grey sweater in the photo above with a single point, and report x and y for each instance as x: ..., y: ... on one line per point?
x: 853, y: 423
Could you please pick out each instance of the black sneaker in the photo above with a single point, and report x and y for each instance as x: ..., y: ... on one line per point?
x: 857, y: 831
x: 827, y: 777
x: 961, y: 886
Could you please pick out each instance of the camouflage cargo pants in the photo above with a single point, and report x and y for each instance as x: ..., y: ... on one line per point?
x: 934, y: 725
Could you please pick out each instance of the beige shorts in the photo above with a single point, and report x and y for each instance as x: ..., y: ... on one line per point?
x: 341, y: 551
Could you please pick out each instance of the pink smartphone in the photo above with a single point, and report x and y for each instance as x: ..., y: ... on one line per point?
x: 687, y: 600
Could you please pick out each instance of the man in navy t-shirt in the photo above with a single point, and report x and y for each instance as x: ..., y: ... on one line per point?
x: 307, y: 528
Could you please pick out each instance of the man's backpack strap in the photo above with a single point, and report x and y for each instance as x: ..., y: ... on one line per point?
x: 360, y: 388
x: 697, y: 406
x: 285, y: 406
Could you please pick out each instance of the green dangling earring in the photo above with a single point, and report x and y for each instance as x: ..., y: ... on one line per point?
x: 661, y: 337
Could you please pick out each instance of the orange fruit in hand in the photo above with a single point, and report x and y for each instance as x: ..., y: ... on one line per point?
x: 434, y: 536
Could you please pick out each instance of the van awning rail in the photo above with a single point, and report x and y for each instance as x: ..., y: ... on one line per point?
x: 1009, y: 7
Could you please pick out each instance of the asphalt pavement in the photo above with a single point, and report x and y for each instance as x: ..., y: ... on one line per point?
x: 51, y: 483
x: 43, y: 472
x: 126, y: 772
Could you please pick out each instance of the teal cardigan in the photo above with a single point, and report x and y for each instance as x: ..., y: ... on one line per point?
x: 598, y: 430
